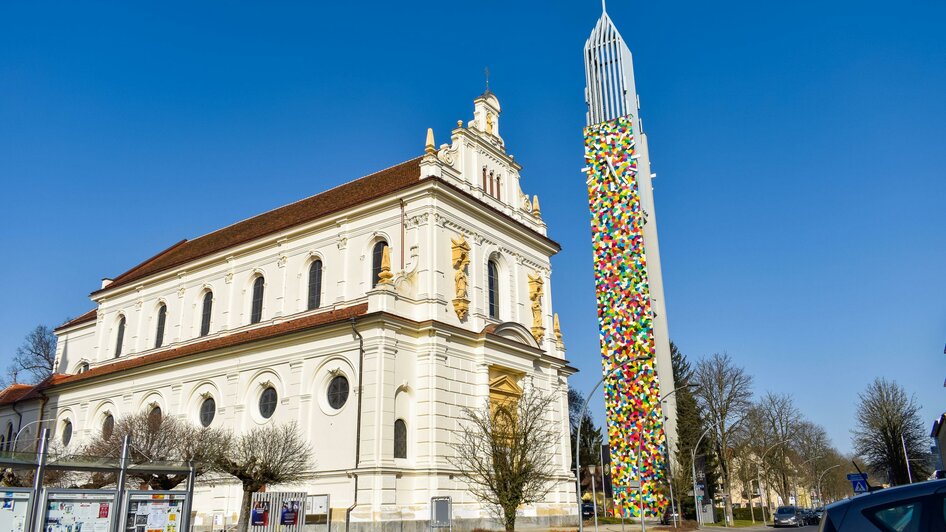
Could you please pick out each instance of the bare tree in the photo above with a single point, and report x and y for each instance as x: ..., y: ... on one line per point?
x: 156, y: 438
x: 272, y: 454
x: 503, y: 452
x: 725, y: 395
x: 889, y: 421
x: 35, y: 358
x: 780, y: 418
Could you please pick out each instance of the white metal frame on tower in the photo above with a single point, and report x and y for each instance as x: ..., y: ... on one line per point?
x: 609, y: 74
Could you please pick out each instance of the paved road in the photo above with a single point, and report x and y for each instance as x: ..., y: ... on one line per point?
x: 812, y: 528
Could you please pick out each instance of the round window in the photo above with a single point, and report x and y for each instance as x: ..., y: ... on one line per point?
x: 108, y: 427
x: 267, y: 403
x: 208, y: 409
x: 66, y: 433
x: 337, y: 392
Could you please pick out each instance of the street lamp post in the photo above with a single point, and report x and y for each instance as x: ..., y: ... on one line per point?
x: 696, y: 504
x: 759, y: 476
x: 581, y: 416
x: 673, y: 504
x: 17, y: 437
x: 820, y: 498
x: 795, y: 478
x: 906, y: 457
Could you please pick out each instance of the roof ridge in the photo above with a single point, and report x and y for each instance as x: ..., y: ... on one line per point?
x: 301, y: 199
x: 325, y: 203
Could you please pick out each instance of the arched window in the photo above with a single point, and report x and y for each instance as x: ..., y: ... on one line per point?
x: 256, y: 313
x: 120, y: 338
x: 108, y: 427
x: 499, y: 186
x: 400, y: 439
x: 162, y: 317
x: 154, y: 416
x: 66, y: 433
x: 83, y: 367
x: 9, y: 434
x: 205, y: 314
x: 315, y: 285
x: 484, y: 179
x: 492, y: 282
x: 377, y: 253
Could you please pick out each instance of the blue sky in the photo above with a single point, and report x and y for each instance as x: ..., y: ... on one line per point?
x: 798, y: 147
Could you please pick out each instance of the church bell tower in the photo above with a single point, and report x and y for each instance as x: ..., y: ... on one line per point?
x: 632, y: 317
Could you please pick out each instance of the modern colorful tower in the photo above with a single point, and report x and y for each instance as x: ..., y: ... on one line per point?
x: 632, y: 317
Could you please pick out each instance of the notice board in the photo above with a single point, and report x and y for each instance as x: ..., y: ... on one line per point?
x: 151, y: 511
x: 14, y: 509
x: 79, y: 510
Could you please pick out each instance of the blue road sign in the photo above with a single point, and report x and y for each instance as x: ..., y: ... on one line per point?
x: 859, y: 486
x: 857, y: 476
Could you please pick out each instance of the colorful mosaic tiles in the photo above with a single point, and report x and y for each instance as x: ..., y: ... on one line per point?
x: 632, y: 393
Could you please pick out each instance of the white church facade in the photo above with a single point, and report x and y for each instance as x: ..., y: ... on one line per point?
x: 301, y: 315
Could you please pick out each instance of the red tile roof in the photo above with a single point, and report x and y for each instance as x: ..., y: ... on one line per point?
x: 13, y: 392
x: 373, y: 186
x: 88, y: 316
x: 252, y: 335
x: 350, y: 194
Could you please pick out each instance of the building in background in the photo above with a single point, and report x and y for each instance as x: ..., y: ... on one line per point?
x: 398, y: 299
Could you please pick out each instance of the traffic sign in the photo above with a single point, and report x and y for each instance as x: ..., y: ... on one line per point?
x: 859, y: 486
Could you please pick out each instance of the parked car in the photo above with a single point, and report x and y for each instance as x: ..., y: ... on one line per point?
x: 817, y: 513
x: 789, y: 516
x: 587, y: 510
x: 670, y: 517
x: 808, y: 516
x: 910, y: 508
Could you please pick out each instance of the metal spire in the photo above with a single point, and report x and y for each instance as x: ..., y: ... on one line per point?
x: 609, y: 75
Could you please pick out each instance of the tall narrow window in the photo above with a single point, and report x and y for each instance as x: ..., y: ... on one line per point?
x: 10, y: 435
x: 484, y: 179
x: 205, y: 313
x: 376, y: 254
x: 108, y: 426
x: 499, y: 186
x: 154, y: 417
x: 400, y: 439
x: 492, y: 282
x: 162, y: 317
x: 256, y: 313
x: 491, y: 181
x: 315, y: 284
x: 120, y: 338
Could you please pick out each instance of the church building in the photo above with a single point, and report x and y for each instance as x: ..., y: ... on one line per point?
x: 370, y: 314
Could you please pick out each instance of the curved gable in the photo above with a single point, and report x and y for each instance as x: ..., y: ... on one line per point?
x: 515, y: 332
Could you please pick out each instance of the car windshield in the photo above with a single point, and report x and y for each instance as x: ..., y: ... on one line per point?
x: 786, y: 510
